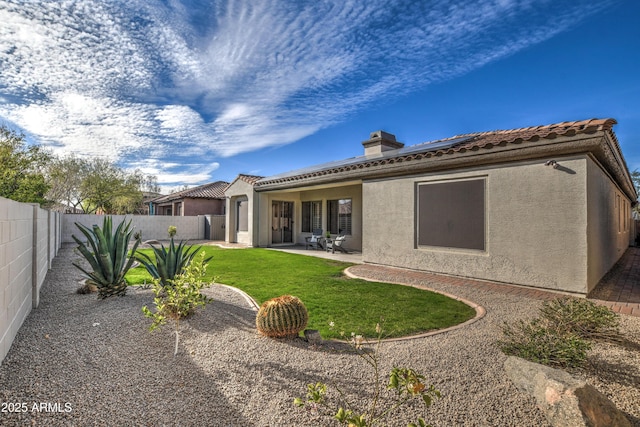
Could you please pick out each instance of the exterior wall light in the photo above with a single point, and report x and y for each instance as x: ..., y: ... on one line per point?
x: 552, y: 163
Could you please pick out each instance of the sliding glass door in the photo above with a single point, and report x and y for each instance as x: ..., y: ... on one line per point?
x: 281, y: 222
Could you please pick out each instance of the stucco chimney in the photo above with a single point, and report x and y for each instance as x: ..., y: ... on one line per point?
x: 380, y: 141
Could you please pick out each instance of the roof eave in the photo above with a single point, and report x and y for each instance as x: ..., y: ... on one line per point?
x: 607, y: 153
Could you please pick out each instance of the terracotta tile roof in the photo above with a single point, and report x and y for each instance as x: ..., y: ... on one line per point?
x: 498, y: 137
x: 250, y: 179
x: 213, y: 190
x: 448, y: 146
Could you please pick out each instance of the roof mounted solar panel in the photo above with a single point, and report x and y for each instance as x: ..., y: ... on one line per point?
x: 429, y: 146
x: 423, y: 147
x: 315, y: 168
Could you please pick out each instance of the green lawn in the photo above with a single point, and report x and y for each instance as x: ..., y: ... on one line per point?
x: 353, y: 305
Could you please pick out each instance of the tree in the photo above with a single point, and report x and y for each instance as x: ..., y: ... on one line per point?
x: 635, y: 177
x: 21, y: 169
x: 96, y: 185
x: 131, y: 196
x: 151, y: 184
x: 178, y: 189
x: 110, y: 189
x: 65, y: 176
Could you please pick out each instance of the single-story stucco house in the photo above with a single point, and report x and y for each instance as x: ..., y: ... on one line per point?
x: 546, y: 206
x: 207, y: 199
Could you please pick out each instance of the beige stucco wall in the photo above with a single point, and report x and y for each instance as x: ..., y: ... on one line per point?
x: 236, y: 191
x: 536, y: 222
x: 353, y: 192
x: 609, y: 225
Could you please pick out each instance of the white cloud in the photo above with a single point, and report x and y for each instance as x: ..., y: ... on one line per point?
x: 147, y: 81
x: 170, y: 175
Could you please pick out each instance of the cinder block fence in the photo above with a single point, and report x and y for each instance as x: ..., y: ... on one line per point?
x: 29, y: 240
x: 152, y: 227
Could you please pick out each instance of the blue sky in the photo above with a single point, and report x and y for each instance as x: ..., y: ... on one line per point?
x: 198, y: 91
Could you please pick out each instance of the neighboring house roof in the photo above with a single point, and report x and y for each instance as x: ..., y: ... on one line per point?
x: 151, y: 195
x: 213, y: 190
x: 462, y: 149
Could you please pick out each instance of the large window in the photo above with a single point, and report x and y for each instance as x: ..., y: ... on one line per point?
x: 311, y: 216
x: 452, y: 214
x: 339, y: 216
x: 242, y: 215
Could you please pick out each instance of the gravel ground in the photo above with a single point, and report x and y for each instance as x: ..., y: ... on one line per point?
x: 95, y: 363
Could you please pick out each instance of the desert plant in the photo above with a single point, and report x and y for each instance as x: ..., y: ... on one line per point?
x: 107, y: 257
x: 559, y: 337
x: 404, y: 384
x: 282, y: 317
x: 172, y: 231
x: 537, y: 342
x: 169, y: 261
x: 181, y: 298
x: 581, y: 317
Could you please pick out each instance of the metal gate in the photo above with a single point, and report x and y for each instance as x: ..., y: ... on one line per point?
x: 214, y: 227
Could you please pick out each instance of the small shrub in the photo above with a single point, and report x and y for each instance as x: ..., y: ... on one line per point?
x: 404, y: 385
x: 180, y: 299
x: 581, y: 317
x: 560, y: 336
x: 282, y: 317
x: 539, y: 343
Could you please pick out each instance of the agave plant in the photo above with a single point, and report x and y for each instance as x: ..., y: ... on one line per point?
x: 107, y: 257
x: 169, y: 261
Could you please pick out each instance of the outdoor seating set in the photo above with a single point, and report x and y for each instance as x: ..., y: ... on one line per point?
x: 318, y: 241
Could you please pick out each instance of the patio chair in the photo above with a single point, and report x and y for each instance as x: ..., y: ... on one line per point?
x: 336, y: 244
x: 315, y: 240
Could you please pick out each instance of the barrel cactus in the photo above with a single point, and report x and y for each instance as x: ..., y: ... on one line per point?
x: 282, y: 317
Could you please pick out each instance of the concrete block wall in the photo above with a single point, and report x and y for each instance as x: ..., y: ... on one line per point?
x: 40, y: 264
x: 153, y: 227
x: 29, y: 240
x: 26, y: 251
x: 55, y: 236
